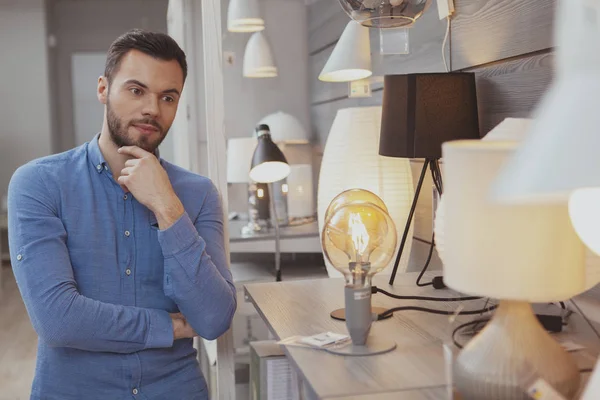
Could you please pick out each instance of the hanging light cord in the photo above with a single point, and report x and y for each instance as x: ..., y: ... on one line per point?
x: 444, y: 45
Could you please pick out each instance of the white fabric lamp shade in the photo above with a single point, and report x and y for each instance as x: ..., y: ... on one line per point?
x: 300, y: 197
x: 244, y: 16
x: 351, y: 160
x: 285, y: 128
x: 516, y: 252
x: 239, y: 159
x: 510, y: 129
x: 258, y: 58
x: 351, y: 57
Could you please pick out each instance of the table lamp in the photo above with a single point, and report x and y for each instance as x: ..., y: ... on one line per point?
x: 359, y: 239
x: 239, y: 158
x: 269, y: 165
x: 354, y: 196
x: 420, y: 112
x: 519, y: 254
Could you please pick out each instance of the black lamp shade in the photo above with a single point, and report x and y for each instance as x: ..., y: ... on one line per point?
x: 268, y: 162
x: 422, y: 111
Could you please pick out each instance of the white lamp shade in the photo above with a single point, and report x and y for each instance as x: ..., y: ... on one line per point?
x: 351, y: 57
x: 239, y: 159
x: 285, y: 128
x: 351, y: 160
x: 562, y: 150
x: 517, y: 252
x: 258, y: 58
x: 244, y: 16
x: 584, y: 209
x: 510, y: 129
x: 300, y: 197
x: 269, y: 172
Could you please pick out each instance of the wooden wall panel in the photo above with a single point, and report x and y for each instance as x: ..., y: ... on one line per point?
x: 512, y: 88
x: 484, y: 31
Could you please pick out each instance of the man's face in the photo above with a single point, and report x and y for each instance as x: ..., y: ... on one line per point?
x: 141, y: 101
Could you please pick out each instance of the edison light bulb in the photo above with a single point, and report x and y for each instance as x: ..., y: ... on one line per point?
x: 353, y: 195
x: 359, y: 240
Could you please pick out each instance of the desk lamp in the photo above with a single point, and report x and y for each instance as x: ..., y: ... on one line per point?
x: 359, y: 240
x: 519, y: 254
x: 352, y: 196
x: 420, y: 112
x: 269, y: 165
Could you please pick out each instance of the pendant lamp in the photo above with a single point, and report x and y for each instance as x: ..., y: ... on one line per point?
x: 351, y: 57
x: 244, y: 16
x: 258, y: 58
x: 385, y: 13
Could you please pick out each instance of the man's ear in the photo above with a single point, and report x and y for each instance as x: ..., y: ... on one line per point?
x: 102, y: 92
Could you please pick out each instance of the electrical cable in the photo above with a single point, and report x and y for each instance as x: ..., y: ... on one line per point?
x: 458, y: 328
x: 586, y: 318
x: 444, y: 44
x: 432, y: 311
x: 375, y: 289
x: 426, y: 264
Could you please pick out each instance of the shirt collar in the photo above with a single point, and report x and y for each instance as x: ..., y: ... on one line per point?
x: 95, y: 155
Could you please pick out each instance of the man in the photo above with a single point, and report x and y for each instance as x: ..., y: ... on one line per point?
x: 119, y: 256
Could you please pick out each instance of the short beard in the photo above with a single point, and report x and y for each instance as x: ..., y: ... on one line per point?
x: 119, y: 136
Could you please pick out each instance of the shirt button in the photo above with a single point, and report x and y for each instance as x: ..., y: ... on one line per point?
x: 19, y: 257
x: 125, y: 197
x: 128, y: 271
x: 99, y: 167
x: 127, y: 233
x: 135, y: 391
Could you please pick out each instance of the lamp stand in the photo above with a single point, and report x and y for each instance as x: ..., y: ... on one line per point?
x: 510, y: 352
x: 358, y: 323
x: 276, y: 225
x: 435, y: 170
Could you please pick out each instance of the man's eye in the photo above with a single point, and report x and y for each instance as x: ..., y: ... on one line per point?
x: 135, y: 91
x: 168, y: 99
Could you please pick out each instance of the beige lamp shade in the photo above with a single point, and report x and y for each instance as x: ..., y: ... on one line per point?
x: 239, y: 159
x: 244, y: 16
x: 351, y: 57
x: 351, y: 160
x: 285, y: 128
x: 301, y: 202
x: 517, y: 252
x: 258, y: 58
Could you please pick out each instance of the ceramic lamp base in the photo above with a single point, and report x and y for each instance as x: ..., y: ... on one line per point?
x: 374, y: 346
x: 511, y: 352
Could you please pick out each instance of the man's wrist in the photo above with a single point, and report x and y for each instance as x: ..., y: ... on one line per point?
x: 169, y: 212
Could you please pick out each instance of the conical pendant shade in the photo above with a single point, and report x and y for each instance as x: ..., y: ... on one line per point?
x: 561, y: 152
x: 258, y: 58
x: 351, y: 57
x: 244, y: 16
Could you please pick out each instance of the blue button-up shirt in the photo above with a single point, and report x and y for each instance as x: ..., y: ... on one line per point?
x: 99, y: 279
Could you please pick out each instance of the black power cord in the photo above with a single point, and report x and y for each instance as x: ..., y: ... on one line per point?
x: 386, y: 313
x: 375, y: 289
x: 438, y: 281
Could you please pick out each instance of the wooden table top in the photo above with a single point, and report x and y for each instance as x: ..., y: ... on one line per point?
x: 303, y: 307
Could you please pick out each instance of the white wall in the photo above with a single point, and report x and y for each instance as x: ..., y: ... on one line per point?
x: 25, y: 125
x: 248, y: 100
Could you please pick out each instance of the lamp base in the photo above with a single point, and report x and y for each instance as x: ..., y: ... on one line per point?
x: 373, y: 347
x: 340, y: 313
x: 510, y: 353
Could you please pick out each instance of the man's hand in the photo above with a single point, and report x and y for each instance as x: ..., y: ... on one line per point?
x: 148, y: 181
x: 181, y: 329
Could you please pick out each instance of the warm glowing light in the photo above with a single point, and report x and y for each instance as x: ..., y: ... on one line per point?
x: 260, y: 193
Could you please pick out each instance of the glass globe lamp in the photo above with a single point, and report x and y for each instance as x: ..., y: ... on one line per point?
x: 353, y: 195
x: 385, y: 13
x: 359, y: 240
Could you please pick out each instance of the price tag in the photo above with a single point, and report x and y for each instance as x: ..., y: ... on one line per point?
x: 541, y: 390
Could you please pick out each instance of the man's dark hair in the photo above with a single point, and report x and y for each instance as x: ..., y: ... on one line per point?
x: 157, y: 45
